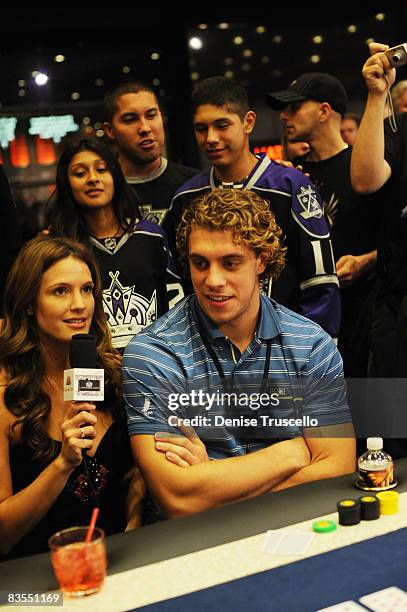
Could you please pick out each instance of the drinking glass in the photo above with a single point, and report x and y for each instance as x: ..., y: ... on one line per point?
x: 80, y: 567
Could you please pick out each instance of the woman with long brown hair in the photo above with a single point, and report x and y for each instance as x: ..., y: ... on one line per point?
x: 57, y: 459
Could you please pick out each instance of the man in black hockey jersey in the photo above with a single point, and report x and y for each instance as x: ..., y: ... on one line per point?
x: 134, y: 122
x: 223, y: 123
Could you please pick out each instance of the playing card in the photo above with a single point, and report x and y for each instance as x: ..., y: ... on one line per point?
x: 392, y: 599
x: 344, y: 606
x: 287, y: 543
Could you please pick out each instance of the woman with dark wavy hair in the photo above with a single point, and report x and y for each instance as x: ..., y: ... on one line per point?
x: 58, y: 459
x: 93, y: 203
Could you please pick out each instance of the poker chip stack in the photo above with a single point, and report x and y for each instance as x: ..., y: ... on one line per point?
x: 369, y: 507
x: 389, y: 502
x: 349, y: 512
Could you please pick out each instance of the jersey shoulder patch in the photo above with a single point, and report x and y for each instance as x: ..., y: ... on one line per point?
x: 308, y: 208
x: 308, y: 200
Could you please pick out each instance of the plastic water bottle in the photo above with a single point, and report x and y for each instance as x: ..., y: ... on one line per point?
x: 375, y: 468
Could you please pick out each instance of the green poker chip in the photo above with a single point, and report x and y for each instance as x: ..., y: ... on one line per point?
x: 324, y: 526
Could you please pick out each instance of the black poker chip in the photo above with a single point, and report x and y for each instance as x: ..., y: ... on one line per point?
x: 348, y: 511
x: 369, y: 507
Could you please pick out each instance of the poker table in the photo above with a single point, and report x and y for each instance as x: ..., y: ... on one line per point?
x: 215, y: 560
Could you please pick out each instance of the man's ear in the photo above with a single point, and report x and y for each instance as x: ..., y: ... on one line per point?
x: 29, y: 310
x: 108, y: 130
x: 325, y: 110
x: 249, y: 122
x: 261, y: 263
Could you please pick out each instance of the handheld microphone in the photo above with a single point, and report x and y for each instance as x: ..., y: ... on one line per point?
x: 83, y: 382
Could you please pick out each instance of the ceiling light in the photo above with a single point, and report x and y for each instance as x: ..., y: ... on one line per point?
x: 352, y: 29
x: 59, y: 58
x: 41, y: 79
x: 195, y: 43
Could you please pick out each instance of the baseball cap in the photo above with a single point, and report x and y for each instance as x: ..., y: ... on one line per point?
x: 319, y: 86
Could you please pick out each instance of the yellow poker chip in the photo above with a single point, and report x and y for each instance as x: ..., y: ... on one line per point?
x: 368, y: 499
x: 389, y: 502
x: 347, y: 503
x: 324, y: 526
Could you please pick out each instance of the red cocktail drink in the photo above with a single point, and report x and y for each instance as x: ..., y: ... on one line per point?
x: 80, y: 567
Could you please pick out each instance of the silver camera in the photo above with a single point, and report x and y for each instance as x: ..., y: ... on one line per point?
x: 397, y: 56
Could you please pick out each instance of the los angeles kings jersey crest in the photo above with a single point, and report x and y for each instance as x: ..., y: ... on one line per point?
x: 139, y: 280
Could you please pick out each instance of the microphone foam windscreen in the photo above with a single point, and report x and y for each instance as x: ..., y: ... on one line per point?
x: 82, y: 351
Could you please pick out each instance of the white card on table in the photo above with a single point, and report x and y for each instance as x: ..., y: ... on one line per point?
x: 344, y: 606
x: 392, y: 599
x: 287, y: 543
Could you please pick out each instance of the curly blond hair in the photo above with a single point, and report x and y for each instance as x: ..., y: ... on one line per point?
x: 246, y: 215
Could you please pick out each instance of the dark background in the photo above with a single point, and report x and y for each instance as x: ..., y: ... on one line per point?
x: 99, y: 42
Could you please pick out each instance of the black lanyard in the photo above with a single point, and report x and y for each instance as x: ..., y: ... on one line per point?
x: 214, y: 357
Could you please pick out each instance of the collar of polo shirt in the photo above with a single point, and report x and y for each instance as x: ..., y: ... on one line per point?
x: 268, y: 326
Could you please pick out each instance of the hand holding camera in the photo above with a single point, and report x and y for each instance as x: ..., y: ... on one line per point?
x: 377, y: 71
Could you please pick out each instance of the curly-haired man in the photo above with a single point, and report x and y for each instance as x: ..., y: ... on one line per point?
x: 257, y: 381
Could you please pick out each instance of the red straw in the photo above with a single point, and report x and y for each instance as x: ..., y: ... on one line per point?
x: 92, y: 525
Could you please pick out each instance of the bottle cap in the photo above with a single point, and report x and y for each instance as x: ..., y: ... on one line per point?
x: 374, y: 443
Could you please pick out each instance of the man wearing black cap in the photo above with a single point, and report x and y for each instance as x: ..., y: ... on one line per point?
x: 311, y: 109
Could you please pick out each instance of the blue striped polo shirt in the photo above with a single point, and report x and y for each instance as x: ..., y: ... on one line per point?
x: 168, y: 373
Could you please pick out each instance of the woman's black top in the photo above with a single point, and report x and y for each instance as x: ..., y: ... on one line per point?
x: 98, y: 480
